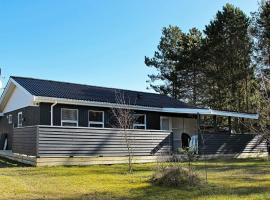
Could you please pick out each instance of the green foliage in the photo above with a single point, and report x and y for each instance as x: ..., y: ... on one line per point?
x: 212, y: 70
x: 261, y: 56
x: 228, y: 49
x: 261, y: 33
x: 178, y: 62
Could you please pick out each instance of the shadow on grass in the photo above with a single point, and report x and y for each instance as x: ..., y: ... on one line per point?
x: 150, y: 192
x: 164, y: 193
x: 6, y: 163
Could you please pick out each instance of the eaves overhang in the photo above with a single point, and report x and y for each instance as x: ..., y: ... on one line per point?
x: 193, y: 111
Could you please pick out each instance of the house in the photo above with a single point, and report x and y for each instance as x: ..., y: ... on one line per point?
x: 47, y: 122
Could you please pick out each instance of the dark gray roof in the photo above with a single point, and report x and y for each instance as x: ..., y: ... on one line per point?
x: 48, y: 88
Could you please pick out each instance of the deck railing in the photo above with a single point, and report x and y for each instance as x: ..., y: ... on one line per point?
x: 53, y: 141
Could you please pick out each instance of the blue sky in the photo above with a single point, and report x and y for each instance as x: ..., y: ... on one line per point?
x: 97, y: 42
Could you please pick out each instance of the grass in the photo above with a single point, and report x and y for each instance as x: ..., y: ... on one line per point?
x: 228, y: 179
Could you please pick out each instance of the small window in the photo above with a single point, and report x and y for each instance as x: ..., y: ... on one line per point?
x: 20, y: 119
x: 69, y: 117
x: 96, y: 119
x: 139, y: 121
x: 10, y: 119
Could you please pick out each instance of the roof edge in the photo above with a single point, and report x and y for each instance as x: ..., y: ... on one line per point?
x: 194, y: 111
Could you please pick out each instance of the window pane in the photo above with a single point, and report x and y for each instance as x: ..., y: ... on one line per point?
x: 95, y: 116
x: 165, y: 124
x: 139, y: 119
x: 20, y: 119
x: 68, y: 114
x: 69, y: 124
x: 96, y: 125
x: 10, y: 119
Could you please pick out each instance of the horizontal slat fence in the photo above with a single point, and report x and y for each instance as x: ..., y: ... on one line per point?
x: 62, y: 141
x: 231, y: 143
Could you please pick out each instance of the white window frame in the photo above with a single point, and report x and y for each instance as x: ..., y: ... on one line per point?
x: 10, y: 119
x: 20, y: 124
x: 70, y: 121
x: 170, y: 122
x: 140, y: 125
x: 94, y: 122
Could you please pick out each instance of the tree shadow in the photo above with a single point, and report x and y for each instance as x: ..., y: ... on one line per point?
x: 7, y: 163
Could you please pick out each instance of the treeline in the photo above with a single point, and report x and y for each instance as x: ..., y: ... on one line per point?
x: 221, y: 67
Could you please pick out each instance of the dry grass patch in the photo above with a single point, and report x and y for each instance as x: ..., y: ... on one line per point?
x: 228, y: 179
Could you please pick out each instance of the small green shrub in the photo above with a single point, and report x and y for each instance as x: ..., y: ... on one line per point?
x: 175, y: 176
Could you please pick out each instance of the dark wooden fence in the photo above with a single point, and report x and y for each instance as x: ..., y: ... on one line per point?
x: 61, y: 141
x: 25, y: 140
x: 46, y: 141
x: 231, y: 143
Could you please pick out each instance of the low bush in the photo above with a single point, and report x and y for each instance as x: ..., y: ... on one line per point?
x: 175, y: 176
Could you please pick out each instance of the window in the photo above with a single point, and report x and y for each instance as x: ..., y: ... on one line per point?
x: 164, y: 123
x: 20, y: 119
x: 9, y: 119
x: 69, y: 117
x: 96, y: 119
x: 140, y: 121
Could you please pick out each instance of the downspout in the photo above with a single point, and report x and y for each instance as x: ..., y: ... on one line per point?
x: 52, y: 106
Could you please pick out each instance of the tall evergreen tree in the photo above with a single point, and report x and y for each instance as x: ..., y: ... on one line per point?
x: 177, y: 61
x: 228, y: 48
x: 261, y: 32
x: 165, y: 61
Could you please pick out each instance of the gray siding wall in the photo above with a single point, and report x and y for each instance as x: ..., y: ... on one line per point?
x: 59, y: 141
x: 231, y: 143
x: 31, y: 116
x: 153, y: 118
x: 25, y: 140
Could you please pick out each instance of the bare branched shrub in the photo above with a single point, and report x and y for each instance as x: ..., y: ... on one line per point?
x: 175, y: 176
x: 124, y: 120
x: 170, y: 171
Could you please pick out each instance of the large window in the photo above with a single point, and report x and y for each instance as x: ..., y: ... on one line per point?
x: 139, y: 121
x: 96, y: 119
x: 20, y: 119
x: 69, y: 117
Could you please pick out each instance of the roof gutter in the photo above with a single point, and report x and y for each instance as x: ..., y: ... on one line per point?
x: 194, y: 111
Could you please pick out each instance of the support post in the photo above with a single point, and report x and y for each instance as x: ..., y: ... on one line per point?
x: 199, y: 131
x: 198, y: 122
x: 215, y: 123
x: 230, y: 124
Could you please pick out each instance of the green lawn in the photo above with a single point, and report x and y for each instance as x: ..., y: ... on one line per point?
x: 233, y: 179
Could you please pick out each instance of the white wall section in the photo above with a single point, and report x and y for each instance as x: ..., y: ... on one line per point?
x: 17, y: 100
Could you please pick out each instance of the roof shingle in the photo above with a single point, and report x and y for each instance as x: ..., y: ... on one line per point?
x: 56, y: 89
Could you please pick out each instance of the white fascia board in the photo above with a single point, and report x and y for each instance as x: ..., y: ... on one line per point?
x: 234, y: 114
x: 193, y: 111
x: 211, y: 112
x: 39, y: 99
x: 12, y: 81
x: 200, y: 111
x: 5, y: 91
x: 5, y: 98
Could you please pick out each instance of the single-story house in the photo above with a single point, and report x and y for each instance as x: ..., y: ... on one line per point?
x: 46, y: 122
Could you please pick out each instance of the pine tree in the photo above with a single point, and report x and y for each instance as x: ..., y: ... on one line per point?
x: 228, y: 48
x: 178, y: 62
